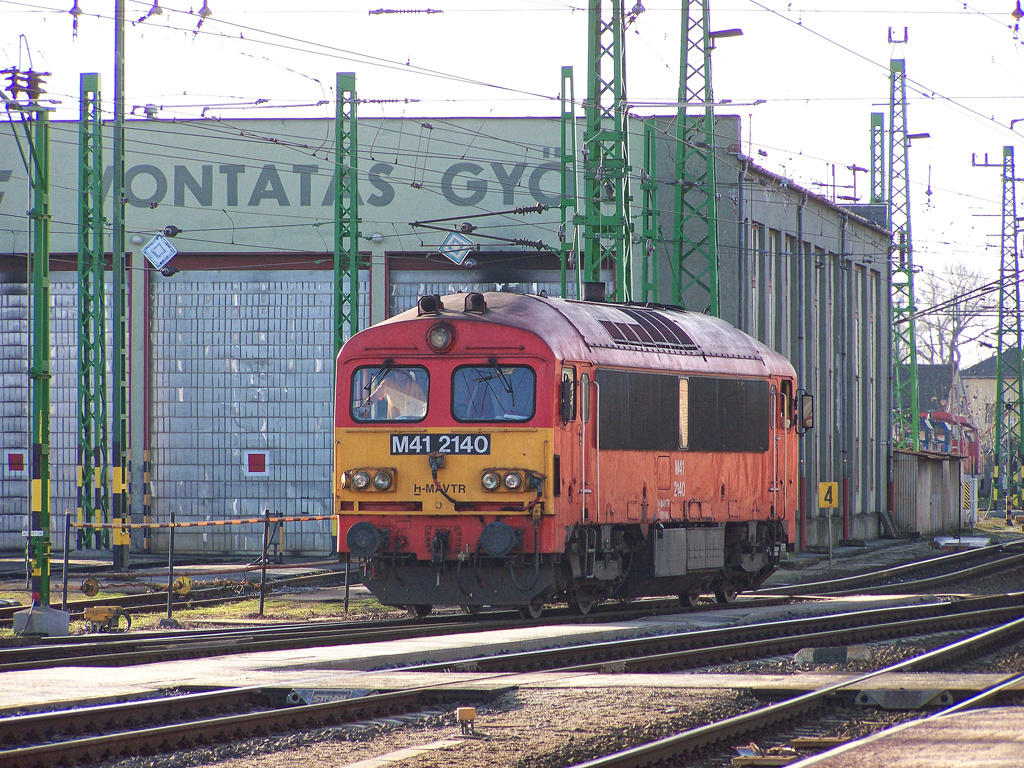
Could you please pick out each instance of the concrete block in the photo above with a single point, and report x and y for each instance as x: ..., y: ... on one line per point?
x: 42, y: 620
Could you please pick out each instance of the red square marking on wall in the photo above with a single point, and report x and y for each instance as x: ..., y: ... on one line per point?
x: 16, y: 462
x: 257, y: 462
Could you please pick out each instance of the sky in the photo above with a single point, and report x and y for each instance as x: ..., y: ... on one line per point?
x: 818, y: 70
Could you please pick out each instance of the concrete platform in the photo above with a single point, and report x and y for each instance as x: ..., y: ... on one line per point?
x: 985, y: 738
x: 378, y: 665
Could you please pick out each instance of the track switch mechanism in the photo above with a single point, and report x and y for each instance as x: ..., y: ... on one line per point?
x: 107, y: 618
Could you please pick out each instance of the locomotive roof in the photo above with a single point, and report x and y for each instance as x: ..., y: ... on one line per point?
x: 627, y: 335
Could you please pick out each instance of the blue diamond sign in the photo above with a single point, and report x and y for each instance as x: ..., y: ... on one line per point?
x: 456, y: 247
x: 159, y: 251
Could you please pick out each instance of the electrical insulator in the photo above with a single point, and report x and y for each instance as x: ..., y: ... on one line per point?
x: 34, y: 89
x: 15, y: 84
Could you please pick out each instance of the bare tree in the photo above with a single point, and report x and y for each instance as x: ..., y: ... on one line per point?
x: 948, y: 321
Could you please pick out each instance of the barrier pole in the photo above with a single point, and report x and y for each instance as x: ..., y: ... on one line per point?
x: 266, y: 547
x: 348, y: 558
x: 67, y: 546
x: 170, y: 569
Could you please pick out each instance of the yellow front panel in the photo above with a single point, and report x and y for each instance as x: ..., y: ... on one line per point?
x: 510, y: 448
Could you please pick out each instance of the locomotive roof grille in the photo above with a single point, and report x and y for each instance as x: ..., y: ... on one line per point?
x: 649, y: 329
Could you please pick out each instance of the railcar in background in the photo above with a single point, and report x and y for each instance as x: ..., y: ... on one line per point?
x: 512, y: 450
x: 943, y: 432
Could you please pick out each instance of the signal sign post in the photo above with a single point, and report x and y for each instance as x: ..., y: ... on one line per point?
x: 828, y: 498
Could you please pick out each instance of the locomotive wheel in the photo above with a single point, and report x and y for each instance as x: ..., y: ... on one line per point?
x: 689, y: 599
x: 420, y: 611
x: 581, y: 606
x: 472, y: 610
x: 532, y: 611
x: 725, y: 595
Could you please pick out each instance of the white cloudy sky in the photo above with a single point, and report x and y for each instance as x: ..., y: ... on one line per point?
x: 821, y: 68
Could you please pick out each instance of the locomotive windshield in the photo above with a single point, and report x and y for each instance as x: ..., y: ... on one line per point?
x: 493, y: 392
x: 390, y: 393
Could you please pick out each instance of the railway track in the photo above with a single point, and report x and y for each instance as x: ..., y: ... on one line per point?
x: 149, y: 647
x: 167, y: 724
x: 940, y: 571
x: 690, y: 649
x: 676, y: 749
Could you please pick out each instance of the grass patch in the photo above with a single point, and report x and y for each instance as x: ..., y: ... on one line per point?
x: 276, y: 607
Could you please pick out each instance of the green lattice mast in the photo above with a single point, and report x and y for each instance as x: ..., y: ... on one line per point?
x: 93, y: 471
x: 1009, y: 442
x: 346, y: 213
x: 695, y: 266
x: 606, y: 226
x: 905, y: 408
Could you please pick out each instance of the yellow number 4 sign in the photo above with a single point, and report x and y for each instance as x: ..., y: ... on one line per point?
x: 828, y: 495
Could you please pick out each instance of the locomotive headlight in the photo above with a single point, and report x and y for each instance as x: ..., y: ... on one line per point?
x: 490, y: 481
x: 513, y: 481
x: 441, y: 337
x: 360, y: 480
x: 383, y: 481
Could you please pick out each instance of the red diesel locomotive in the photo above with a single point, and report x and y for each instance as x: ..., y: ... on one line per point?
x: 510, y: 450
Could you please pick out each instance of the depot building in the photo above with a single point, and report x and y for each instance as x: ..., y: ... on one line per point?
x: 231, y: 359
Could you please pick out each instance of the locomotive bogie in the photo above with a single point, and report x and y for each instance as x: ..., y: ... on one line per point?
x: 506, y: 450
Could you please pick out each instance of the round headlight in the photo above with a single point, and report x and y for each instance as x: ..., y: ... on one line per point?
x: 440, y: 337
x: 513, y: 481
x: 360, y: 480
x: 490, y: 481
x: 382, y: 481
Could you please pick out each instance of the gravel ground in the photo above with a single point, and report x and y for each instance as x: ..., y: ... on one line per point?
x: 528, y: 728
x: 554, y: 728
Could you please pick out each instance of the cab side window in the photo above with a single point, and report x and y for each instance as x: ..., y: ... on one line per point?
x: 567, y: 395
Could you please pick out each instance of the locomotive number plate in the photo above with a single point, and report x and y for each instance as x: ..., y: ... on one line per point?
x: 405, y: 445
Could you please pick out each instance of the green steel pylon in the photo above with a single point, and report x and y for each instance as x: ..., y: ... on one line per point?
x: 649, y: 233
x: 120, y: 514
x: 877, y: 158
x: 905, y: 408
x: 93, y: 470
x: 606, y: 225
x: 346, y: 213
x: 35, y: 155
x: 568, y: 205
x: 695, y: 266
x: 1009, y: 444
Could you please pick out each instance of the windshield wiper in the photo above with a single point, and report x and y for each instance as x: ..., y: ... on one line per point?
x: 377, y: 379
x: 506, y: 382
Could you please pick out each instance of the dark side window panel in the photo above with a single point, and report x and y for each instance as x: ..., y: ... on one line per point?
x: 640, y: 412
x: 729, y: 415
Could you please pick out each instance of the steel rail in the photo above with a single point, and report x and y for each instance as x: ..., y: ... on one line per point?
x: 857, y: 582
x: 166, y: 738
x: 934, y: 581
x: 604, y: 653
x: 671, y: 748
